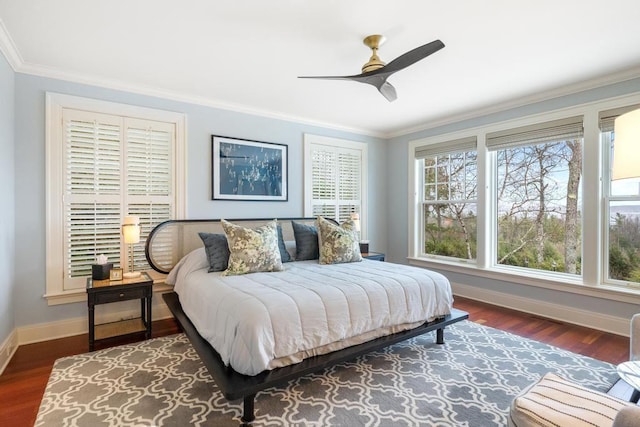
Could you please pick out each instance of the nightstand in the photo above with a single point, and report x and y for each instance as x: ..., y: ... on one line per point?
x: 373, y: 256
x: 108, y: 291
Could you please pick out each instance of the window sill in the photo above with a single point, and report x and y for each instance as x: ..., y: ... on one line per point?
x: 563, y: 283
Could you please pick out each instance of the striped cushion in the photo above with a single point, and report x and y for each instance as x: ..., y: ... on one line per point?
x: 554, y: 401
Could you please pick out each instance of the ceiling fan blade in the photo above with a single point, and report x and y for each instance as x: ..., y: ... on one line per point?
x: 378, y: 78
x: 329, y: 77
x: 411, y: 57
x: 380, y: 82
x: 388, y: 91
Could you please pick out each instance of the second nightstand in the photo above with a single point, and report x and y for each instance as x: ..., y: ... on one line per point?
x: 373, y: 256
x: 108, y: 291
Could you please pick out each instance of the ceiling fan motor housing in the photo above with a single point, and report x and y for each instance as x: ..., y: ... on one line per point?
x: 373, y: 42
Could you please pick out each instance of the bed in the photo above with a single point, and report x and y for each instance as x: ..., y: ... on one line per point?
x: 263, y: 329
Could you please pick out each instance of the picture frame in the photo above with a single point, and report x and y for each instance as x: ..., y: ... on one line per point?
x: 115, y: 274
x: 243, y: 169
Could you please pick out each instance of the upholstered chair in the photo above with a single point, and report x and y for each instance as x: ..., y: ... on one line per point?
x: 604, y: 408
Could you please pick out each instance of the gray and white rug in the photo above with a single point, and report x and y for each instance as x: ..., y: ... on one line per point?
x: 469, y: 381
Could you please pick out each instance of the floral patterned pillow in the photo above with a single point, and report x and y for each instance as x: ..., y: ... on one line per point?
x: 252, y: 250
x: 338, y: 243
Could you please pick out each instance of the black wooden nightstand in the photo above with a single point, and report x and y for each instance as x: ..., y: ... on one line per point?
x: 373, y: 256
x: 108, y: 291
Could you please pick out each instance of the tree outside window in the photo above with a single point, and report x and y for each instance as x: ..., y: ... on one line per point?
x: 538, y: 199
x: 450, y: 205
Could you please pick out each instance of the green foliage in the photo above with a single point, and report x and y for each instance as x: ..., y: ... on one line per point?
x: 624, y: 248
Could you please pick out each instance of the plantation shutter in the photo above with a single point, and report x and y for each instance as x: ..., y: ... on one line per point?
x: 114, y: 166
x: 454, y: 146
x: 149, y: 178
x: 539, y: 133
x: 336, y: 187
x: 349, y: 176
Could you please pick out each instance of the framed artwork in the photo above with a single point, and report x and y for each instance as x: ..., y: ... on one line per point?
x: 248, y: 170
x: 115, y: 274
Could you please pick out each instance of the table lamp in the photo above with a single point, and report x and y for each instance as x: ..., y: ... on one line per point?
x: 131, y: 235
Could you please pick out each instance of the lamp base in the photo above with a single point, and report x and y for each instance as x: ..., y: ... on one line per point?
x: 131, y: 275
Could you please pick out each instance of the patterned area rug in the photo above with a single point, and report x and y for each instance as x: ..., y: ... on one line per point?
x: 469, y: 381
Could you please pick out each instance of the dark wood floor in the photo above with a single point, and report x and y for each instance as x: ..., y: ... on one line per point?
x: 25, y: 378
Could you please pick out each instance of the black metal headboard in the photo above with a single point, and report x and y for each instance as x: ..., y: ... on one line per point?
x: 171, y: 240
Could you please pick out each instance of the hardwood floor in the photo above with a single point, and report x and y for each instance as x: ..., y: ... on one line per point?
x: 25, y: 378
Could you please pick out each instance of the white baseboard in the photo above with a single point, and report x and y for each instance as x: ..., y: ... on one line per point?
x: 589, y: 319
x: 70, y: 327
x: 67, y: 328
x: 8, y: 347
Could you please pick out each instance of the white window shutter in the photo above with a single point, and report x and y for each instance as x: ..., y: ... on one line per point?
x: 91, y: 228
x: 335, y: 184
x: 149, y: 158
x: 114, y: 166
x: 149, y: 178
x: 92, y: 153
x: 92, y: 189
x: 349, y: 184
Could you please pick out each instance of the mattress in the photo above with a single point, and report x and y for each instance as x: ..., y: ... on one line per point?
x: 262, y: 321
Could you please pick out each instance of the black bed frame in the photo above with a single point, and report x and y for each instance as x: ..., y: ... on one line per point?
x: 236, y: 386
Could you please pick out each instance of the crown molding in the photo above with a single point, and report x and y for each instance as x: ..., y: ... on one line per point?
x: 11, y: 53
x: 565, y: 90
x: 54, y: 73
x: 9, y: 49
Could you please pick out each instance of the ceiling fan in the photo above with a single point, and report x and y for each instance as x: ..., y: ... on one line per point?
x: 376, y: 73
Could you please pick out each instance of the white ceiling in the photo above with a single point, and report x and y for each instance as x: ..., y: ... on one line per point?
x: 246, y: 55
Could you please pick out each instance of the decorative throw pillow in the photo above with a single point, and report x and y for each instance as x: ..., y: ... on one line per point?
x: 252, y: 250
x: 282, y: 247
x: 215, y: 245
x: 306, y: 241
x: 338, y: 243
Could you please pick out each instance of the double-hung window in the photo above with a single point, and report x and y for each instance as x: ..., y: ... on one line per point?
x: 621, y: 210
x: 448, y: 198
x: 334, y: 177
x: 104, y: 162
x: 538, y: 195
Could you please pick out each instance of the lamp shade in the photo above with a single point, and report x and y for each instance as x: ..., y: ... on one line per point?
x: 131, y: 229
x: 626, y: 146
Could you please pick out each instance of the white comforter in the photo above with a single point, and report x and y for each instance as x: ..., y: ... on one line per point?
x: 265, y: 320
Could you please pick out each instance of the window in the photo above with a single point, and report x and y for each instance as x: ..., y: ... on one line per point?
x: 544, y: 210
x: 622, y: 211
x: 537, y: 193
x: 449, y: 198
x: 105, y: 161
x: 334, y: 177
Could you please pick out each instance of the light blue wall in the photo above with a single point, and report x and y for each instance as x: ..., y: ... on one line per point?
x: 22, y: 161
x: 7, y: 206
x: 202, y: 122
x: 397, y: 155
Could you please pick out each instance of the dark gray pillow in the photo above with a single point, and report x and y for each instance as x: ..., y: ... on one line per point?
x: 217, y: 250
x: 284, y: 253
x: 306, y: 241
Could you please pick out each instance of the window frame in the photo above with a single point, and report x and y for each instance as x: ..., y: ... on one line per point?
x: 55, y: 177
x: 591, y: 281
x: 335, y: 145
x: 423, y: 202
x: 542, y: 132
x: 608, y: 199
